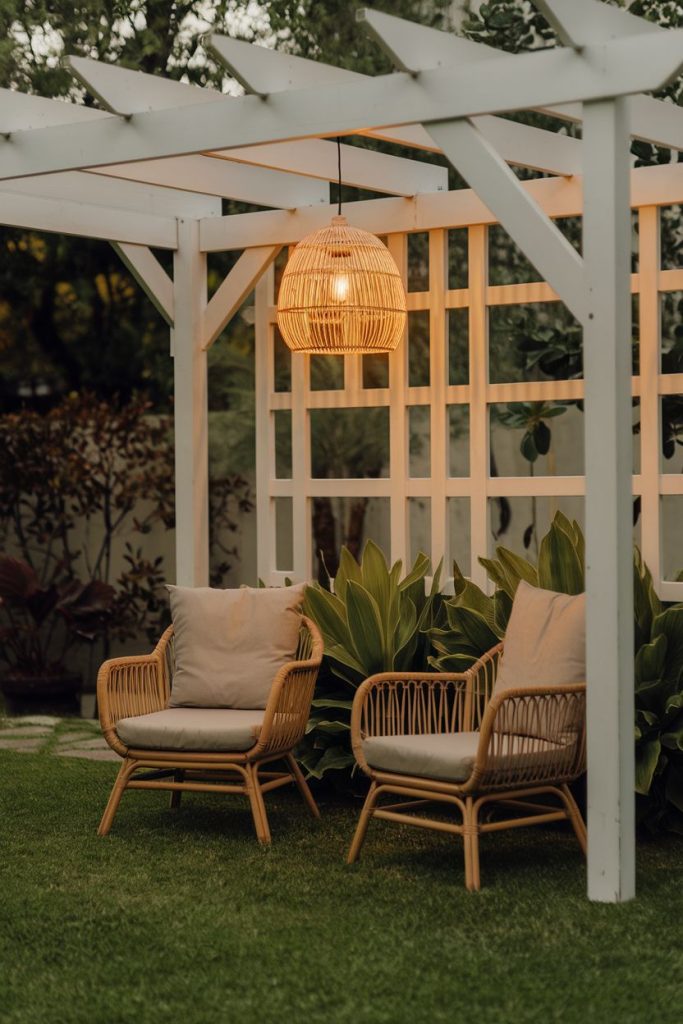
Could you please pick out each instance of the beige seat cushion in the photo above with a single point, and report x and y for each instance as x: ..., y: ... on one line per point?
x: 230, y: 644
x: 198, y: 729
x: 545, y: 646
x: 450, y: 756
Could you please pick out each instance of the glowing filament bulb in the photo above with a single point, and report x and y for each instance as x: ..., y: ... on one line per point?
x: 340, y: 288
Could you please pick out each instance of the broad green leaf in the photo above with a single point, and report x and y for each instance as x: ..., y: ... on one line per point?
x: 670, y: 624
x: 517, y: 567
x: 647, y: 757
x: 349, y: 569
x: 674, y: 786
x: 418, y: 572
x: 497, y: 575
x: 333, y: 757
x: 325, y: 725
x: 502, y: 608
x: 559, y: 568
x: 324, y: 702
x: 474, y: 629
x: 328, y: 612
x: 650, y: 661
x: 365, y: 627
x: 375, y: 576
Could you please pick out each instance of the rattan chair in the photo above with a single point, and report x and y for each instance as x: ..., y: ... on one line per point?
x: 135, y: 686
x: 518, y: 749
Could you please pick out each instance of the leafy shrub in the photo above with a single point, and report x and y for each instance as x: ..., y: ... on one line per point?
x: 373, y: 622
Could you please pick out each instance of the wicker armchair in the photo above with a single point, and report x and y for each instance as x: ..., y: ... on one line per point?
x: 128, y: 688
x: 472, y: 748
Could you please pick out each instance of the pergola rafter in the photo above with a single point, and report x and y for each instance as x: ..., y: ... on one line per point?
x: 151, y: 170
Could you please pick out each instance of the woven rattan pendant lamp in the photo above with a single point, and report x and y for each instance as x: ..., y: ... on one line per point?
x: 341, y: 292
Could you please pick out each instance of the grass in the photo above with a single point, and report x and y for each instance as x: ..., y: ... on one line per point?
x: 181, y: 917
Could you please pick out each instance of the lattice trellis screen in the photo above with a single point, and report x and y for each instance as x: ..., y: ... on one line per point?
x: 430, y: 415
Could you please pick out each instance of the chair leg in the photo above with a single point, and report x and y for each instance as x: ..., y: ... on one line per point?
x: 471, y: 845
x: 258, y: 807
x: 303, y: 786
x: 176, y: 794
x: 125, y: 771
x: 363, y: 823
x: 575, y: 817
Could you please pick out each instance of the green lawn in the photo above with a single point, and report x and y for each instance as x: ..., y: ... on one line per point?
x: 180, y: 917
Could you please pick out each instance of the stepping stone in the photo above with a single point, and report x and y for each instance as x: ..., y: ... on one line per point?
x: 89, y: 755
x: 36, y: 720
x: 68, y: 737
x: 99, y: 743
x: 21, y: 745
x: 25, y: 730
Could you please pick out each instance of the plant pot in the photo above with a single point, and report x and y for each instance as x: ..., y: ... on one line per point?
x: 42, y: 694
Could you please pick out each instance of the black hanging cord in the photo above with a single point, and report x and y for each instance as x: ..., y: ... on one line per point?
x: 339, y: 173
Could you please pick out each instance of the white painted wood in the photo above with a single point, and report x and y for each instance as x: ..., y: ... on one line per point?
x: 362, y: 168
x: 650, y: 398
x: 625, y: 66
x: 234, y: 289
x: 609, y: 571
x: 127, y: 92
x: 21, y: 111
x: 657, y: 121
x: 479, y: 416
x: 150, y: 275
x: 525, y: 146
x: 190, y: 415
x: 94, y: 189
x: 87, y: 220
x: 413, y: 47
x: 399, y: 469
x: 544, y: 244
x: 265, y: 445
x: 583, y: 22
x: 557, y: 197
x: 221, y: 178
x: 438, y: 357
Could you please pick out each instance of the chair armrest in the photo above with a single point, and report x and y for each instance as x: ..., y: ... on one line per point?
x: 532, y: 734
x: 289, y: 701
x: 132, y: 686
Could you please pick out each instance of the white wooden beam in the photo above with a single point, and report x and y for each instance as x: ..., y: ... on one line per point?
x: 234, y: 289
x: 526, y: 223
x: 205, y: 175
x: 609, y: 541
x: 413, y: 47
x: 20, y: 111
x: 150, y: 275
x: 97, y: 190
x: 126, y: 92
x: 190, y: 411
x: 582, y: 22
x: 557, y: 197
x: 87, y: 220
x: 656, y: 121
x: 517, y: 143
x: 361, y: 168
x: 512, y: 82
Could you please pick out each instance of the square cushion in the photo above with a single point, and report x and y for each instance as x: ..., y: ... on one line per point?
x: 230, y: 644
x: 545, y: 646
x: 199, y: 729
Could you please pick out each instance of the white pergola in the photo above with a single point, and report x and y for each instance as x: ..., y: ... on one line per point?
x: 150, y: 168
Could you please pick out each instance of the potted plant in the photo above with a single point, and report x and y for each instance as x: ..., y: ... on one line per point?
x: 40, y: 627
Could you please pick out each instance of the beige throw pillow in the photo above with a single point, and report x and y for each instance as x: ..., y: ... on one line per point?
x: 545, y: 645
x: 229, y: 644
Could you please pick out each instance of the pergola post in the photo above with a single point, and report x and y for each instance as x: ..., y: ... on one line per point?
x: 190, y: 410
x: 609, y: 530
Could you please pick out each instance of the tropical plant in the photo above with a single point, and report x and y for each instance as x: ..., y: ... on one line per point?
x: 373, y: 622
x: 40, y: 625
x: 476, y: 621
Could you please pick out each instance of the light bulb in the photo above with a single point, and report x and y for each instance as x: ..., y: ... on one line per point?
x: 340, y: 288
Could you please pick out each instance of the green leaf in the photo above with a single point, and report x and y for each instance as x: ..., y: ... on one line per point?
x: 474, y: 629
x: 325, y: 725
x: 528, y: 447
x: 650, y: 661
x: 349, y: 569
x: 674, y: 786
x: 333, y: 757
x: 365, y: 627
x: 517, y: 567
x: 647, y: 757
x: 559, y: 568
x: 324, y: 702
x: 418, y: 572
x: 542, y: 438
x: 497, y: 575
x: 670, y: 624
x: 375, y: 575
x: 329, y: 614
